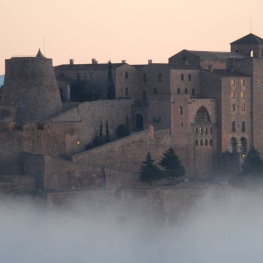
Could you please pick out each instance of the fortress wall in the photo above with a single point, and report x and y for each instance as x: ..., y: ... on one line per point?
x: 167, y: 205
x: 11, y: 144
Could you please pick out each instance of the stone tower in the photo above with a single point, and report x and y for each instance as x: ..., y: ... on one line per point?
x: 31, y: 86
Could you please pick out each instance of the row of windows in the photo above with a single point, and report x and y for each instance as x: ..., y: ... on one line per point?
x: 189, y: 77
x: 186, y: 91
x: 243, y: 126
x: 233, y: 145
x: 159, y: 77
x: 201, y: 130
x: 233, y: 82
x: 242, y: 95
x: 243, y: 107
x: 203, y: 142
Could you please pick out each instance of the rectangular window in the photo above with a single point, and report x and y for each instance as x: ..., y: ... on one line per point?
x: 144, y: 78
x: 233, y: 126
x: 181, y: 125
x: 243, y: 128
x: 243, y: 107
x: 233, y: 107
x: 193, y: 92
x: 126, y: 91
x: 233, y: 82
x: 160, y: 77
x: 242, y: 82
x: 233, y: 95
x: 243, y: 95
x: 189, y: 77
x: 126, y: 75
x: 182, y: 76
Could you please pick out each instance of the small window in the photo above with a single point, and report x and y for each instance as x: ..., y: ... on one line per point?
x: 126, y: 75
x: 211, y: 130
x: 155, y: 91
x: 242, y: 81
x: 233, y: 107
x: 178, y: 91
x: 206, y: 130
x: 181, y: 125
x: 182, y: 76
x: 185, y: 61
x: 201, y: 142
x: 126, y: 91
x: 243, y: 107
x: 233, y: 126
x: 251, y: 53
x: 144, y: 78
x: 206, y: 142
x: 196, y: 130
x: 196, y: 142
x: 181, y: 110
x: 233, y: 95
x: 193, y: 92
x: 211, y: 142
x: 186, y: 91
x: 243, y: 94
x: 201, y: 130
x: 144, y: 95
x: 160, y: 77
x: 233, y: 82
x: 243, y: 127
x: 189, y: 77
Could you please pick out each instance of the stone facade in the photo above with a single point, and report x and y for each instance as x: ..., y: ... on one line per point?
x: 201, y: 104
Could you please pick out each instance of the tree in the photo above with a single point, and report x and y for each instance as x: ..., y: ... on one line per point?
x: 110, y: 84
x: 122, y: 130
x: 101, y: 130
x: 149, y: 171
x: 172, y: 165
x: 252, y: 164
x: 107, y: 132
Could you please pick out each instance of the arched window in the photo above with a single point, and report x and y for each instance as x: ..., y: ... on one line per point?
x: 196, y: 130
x: 202, y: 115
x: 178, y: 91
x: 211, y: 130
x: 243, y: 145
x: 206, y: 142
x: 233, y: 145
x: 186, y: 91
x: 201, y: 130
x: 251, y: 53
x: 206, y: 130
x: 211, y: 142
x: 201, y: 143
x: 196, y: 142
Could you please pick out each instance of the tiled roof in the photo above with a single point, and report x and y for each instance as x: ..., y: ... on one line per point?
x: 217, y: 56
x: 248, y: 39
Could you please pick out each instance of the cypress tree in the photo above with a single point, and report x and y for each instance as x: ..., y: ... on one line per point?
x: 110, y: 84
x: 149, y: 171
x: 101, y: 130
x: 107, y: 132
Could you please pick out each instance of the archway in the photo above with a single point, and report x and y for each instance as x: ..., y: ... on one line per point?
x: 233, y: 145
x: 139, y: 121
x: 202, y: 115
x: 243, y: 145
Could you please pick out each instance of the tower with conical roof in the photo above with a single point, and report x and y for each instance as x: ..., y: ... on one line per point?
x: 31, y: 86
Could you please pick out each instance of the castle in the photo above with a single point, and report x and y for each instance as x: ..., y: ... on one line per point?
x: 201, y: 103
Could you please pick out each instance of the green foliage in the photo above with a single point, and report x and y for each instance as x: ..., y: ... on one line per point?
x: 172, y: 165
x: 149, y: 171
x: 110, y: 84
x: 122, y: 130
x: 252, y: 164
x: 107, y: 132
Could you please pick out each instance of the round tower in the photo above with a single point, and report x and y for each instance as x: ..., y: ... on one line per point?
x: 31, y: 86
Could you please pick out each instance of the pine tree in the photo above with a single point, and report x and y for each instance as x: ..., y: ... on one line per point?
x: 252, y: 164
x: 110, y: 84
x: 149, y: 171
x: 172, y: 165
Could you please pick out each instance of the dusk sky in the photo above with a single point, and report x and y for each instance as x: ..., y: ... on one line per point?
x: 117, y: 30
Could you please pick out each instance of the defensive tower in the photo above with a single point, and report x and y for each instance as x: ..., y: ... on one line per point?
x: 31, y: 86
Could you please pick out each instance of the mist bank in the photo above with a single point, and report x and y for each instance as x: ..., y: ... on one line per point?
x: 215, y: 228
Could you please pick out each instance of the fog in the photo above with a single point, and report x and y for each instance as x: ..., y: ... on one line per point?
x: 224, y: 229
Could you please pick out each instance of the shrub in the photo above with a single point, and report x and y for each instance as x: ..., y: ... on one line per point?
x: 122, y: 130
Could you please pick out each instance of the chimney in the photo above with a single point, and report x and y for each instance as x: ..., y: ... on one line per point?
x: 123, y: 61
x: 94, y: 61
x: 71, y: 61
x: 150, y: 61
x: 210, y: 68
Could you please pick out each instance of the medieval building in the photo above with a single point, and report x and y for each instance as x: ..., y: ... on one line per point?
x: 201, y: 103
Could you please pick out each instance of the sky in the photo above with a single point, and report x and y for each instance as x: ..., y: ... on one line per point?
x: 117, y: 30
